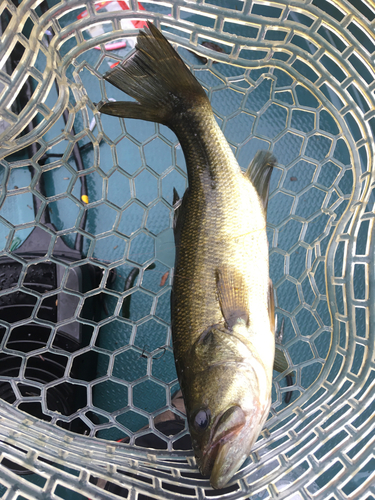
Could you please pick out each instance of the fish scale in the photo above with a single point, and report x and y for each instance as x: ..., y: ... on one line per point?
x: 222, y: 303
x: 210, y: 236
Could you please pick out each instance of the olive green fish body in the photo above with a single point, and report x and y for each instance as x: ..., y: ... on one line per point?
x: 223, y: 337
x: 222, y: 226
x: 221, y: 229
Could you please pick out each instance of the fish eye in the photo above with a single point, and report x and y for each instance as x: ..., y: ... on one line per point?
x: 202, y: 420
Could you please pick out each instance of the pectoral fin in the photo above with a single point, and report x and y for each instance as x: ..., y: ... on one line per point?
x: 259, y: 173
x: 233, y: 296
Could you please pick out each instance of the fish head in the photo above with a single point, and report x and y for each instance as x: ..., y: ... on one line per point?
x: 227, y: 395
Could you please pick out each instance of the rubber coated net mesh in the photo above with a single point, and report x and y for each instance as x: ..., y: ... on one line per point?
x: 87, y: 248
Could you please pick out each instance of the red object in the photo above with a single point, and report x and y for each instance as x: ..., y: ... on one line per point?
x: 112, y: 46
x: 123, y: 6
x: 164, y: 278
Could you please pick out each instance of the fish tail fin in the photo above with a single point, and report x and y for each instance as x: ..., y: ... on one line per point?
x: 157, y: 78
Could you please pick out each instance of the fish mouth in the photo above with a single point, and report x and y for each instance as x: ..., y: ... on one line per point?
x: 227, y: 449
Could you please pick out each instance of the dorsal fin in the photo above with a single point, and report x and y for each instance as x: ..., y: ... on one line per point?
x: 259, y: 173
x: 233, y: 295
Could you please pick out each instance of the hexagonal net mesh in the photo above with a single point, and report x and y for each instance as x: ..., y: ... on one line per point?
x: 88, y: 254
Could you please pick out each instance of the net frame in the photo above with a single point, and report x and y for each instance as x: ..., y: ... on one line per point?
x: 339, y: 402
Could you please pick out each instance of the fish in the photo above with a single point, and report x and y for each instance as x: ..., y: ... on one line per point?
x: 222, y: 301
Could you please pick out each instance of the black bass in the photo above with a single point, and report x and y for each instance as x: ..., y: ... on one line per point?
x: 222, y: 299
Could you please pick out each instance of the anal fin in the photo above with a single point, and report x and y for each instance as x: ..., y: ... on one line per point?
x: 280, y: 363
x: 271, y: 306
